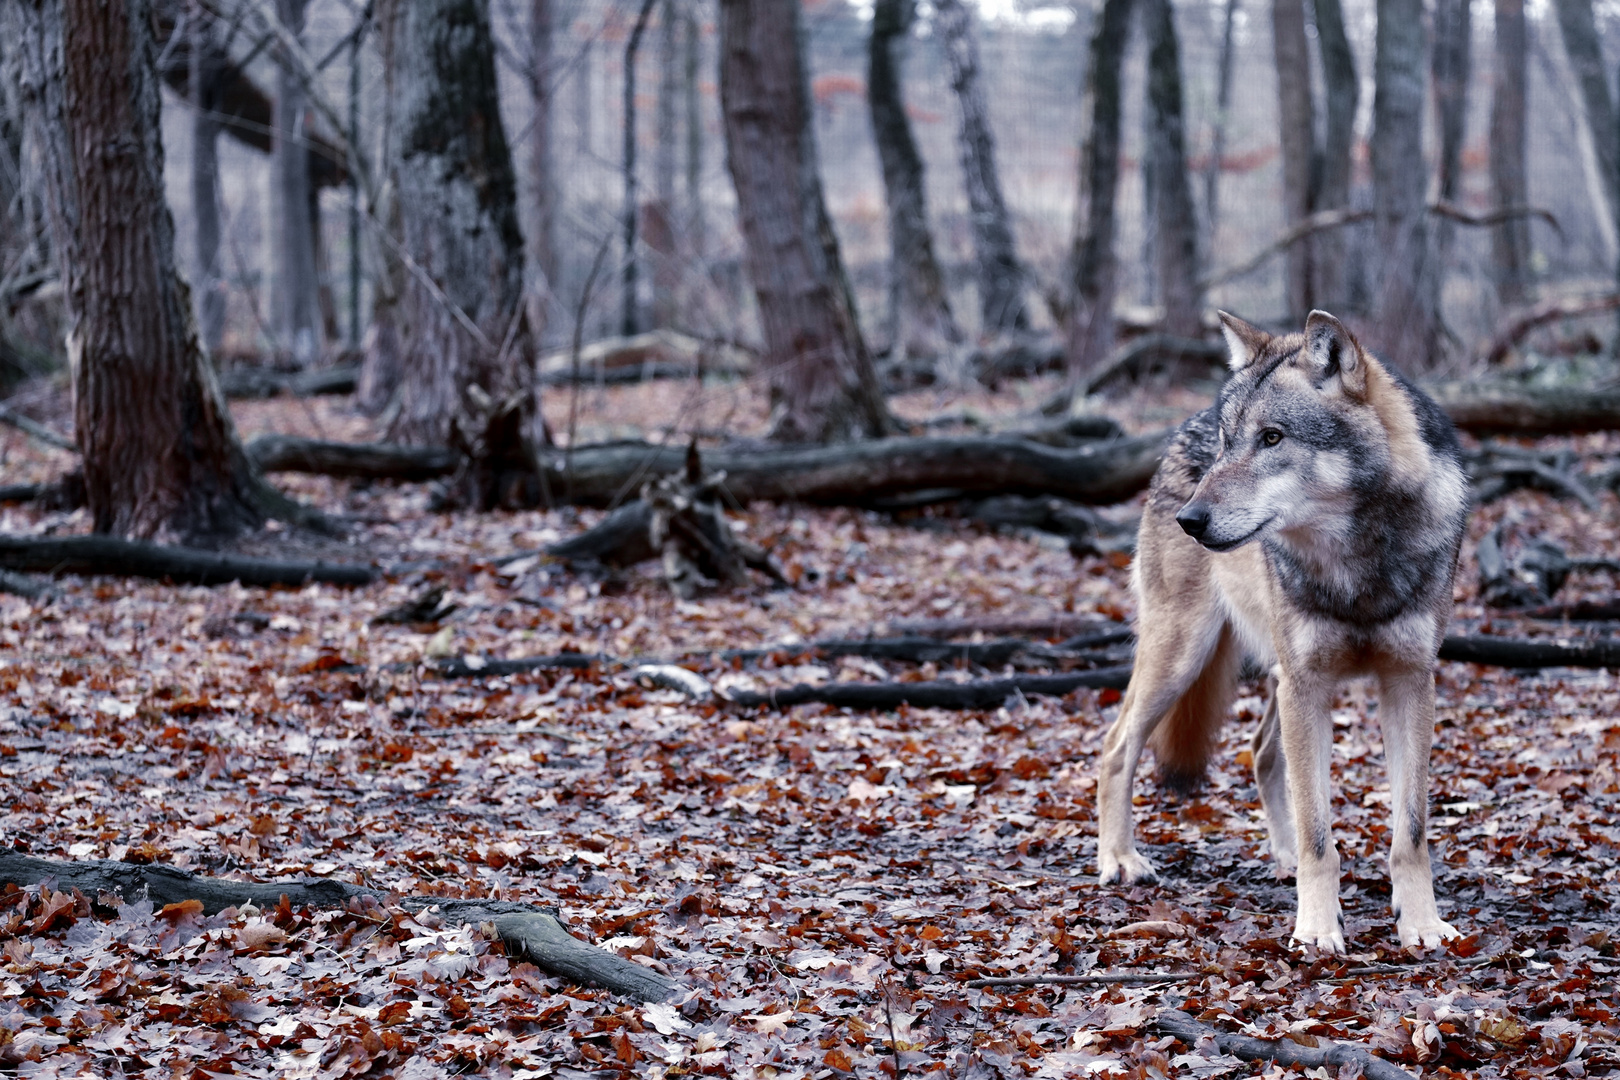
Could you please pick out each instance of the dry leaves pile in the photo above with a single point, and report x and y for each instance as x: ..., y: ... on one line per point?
x: 821, y: 883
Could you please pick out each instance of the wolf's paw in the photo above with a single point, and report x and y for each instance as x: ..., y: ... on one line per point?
x: 1429, y: 935
x: 1126, y: 868
x: 1327, y: 941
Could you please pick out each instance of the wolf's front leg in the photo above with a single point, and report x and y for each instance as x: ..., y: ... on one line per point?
x: 1271, y: 777
x: 1406, y: 715
x: 1117, y: 857
x: 1303, y: 700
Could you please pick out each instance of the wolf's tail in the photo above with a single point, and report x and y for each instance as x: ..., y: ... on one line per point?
x: 1185, y: 739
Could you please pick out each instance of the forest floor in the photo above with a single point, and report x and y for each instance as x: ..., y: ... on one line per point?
x: 820, y: 882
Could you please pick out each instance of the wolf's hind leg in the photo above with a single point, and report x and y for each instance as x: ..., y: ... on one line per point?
x: 1173, y: 662
x: 1406, y: 714
x: 1271, y: 777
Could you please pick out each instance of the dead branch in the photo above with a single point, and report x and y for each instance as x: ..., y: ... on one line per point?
x: 110, y: 556
x: 371, y: 461
x: 1491, y: 218
x: 255, y: 383
x: 22, y: 585
x: 1518, y: 326
x: 1282, y: 1051
x: 1137, y: 356
x: 1047, y: 626
x: 528, y: 931
x: 660, y: 354
x: 1578, y: 611
x: 977, y: 694
x: 1099, y: 978
x: 35, y: 430
x: 22, y: 493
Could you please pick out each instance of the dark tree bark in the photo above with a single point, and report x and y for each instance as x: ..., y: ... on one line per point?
x: 295, y: 279
x: 630, y: 301
x: 1510, y: 182
x: 1450, y: 62
x: 1176, y: 235
x: 159, y: 453
x: 1001, y: 278
x: 458, y: 322
x: 823, y: 386
x: 1342, y: 91
x: 666, y: 268
x: 1297, y: 126
x: 692, y: 94
x: 1093, y: 264
x: 919, y: 307
x: 542, y: 152
x: 1405, y: 324
x: 1223, y: 110
x: 1584, y: 48
x: 205, y: 84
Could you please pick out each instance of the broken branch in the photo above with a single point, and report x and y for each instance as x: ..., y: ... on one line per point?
x: 1282, y: 1051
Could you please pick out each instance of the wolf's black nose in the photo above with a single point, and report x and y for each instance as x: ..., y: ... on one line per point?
x: 1194, y: 519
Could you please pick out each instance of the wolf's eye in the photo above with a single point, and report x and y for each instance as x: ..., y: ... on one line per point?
x: 1270, y: 437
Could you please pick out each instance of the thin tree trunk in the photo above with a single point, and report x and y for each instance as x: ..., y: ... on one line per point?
x: 1451, y: 59
x: 459, y: 322
x: 666, y: 252
x: 542, y: 151
x: 1176, y: 244
x: 692, y: 91
x: 1093, y: 264
x: 1585, y: 51
x: 295, y: 279
x: 1001, y: 278
x: 1297, y: 126
x: 630, y: 317
x: 1342, y: 90
x: 1217, y: 141
x: 823, y: 386
x: 204, y: 84
x: 1404, y: 323
x: 1510, y: 183
x: 919, y: 307
x: 355, y: 330
x: 159, y: 452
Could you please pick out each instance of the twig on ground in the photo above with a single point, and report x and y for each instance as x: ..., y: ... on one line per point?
x: 35, y: 430
x: 1282, y: 1051
x: 1099, y: 978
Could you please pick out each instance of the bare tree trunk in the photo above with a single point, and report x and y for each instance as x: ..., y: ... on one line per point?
x: 823, y: 386
x: 1297, y: 125
x: 919, y: 307
x: 1404, y: 321
x: 1176, y: 238
x: 630, y: 318
x: 1001, y: 278
x: 160, y: 455
x: 666, y: 270
x: 542, y: 151
x: 459, y: 323
x: 1585, y: 51
x: 295, y: 279
x: 1217, y: 141
x: 1342, y: 88
x: 691, y: 89
x: 205, y: 177
x: 1510, y: 183
x: 1450, y: 61
x: 1093, y: 264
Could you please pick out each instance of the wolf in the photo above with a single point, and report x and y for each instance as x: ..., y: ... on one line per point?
x: 1310, y: 520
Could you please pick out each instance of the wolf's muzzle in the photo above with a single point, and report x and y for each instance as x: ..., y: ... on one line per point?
x: 1194, y: 519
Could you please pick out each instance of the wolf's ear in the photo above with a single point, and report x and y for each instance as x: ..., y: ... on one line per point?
x: 1334, y: 352
x: 1244, y: 341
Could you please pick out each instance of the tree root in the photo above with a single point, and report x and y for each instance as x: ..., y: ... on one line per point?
x: 528, y: 931
x: 1282, y: 1051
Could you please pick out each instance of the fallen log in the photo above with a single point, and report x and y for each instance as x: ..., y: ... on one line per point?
x: 258, y: 383
x: 526, y: 930
x: 857, y: 472
x: 1505, y: 409
x: 22, y: 585
x: 1531, y: 652
x: 22, y: 493
x: 977, y: 694
x: 659, y: 354
x: 110, y: 556
x: 1045, y: 626
x: 1575, y: 611
x: 371, y: 461
x: 1282, y: 1051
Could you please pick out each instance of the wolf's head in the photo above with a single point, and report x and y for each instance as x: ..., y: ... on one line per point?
x: 1307, y: 424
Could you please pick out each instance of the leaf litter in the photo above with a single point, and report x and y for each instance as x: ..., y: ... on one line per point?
x: 822, y: 883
